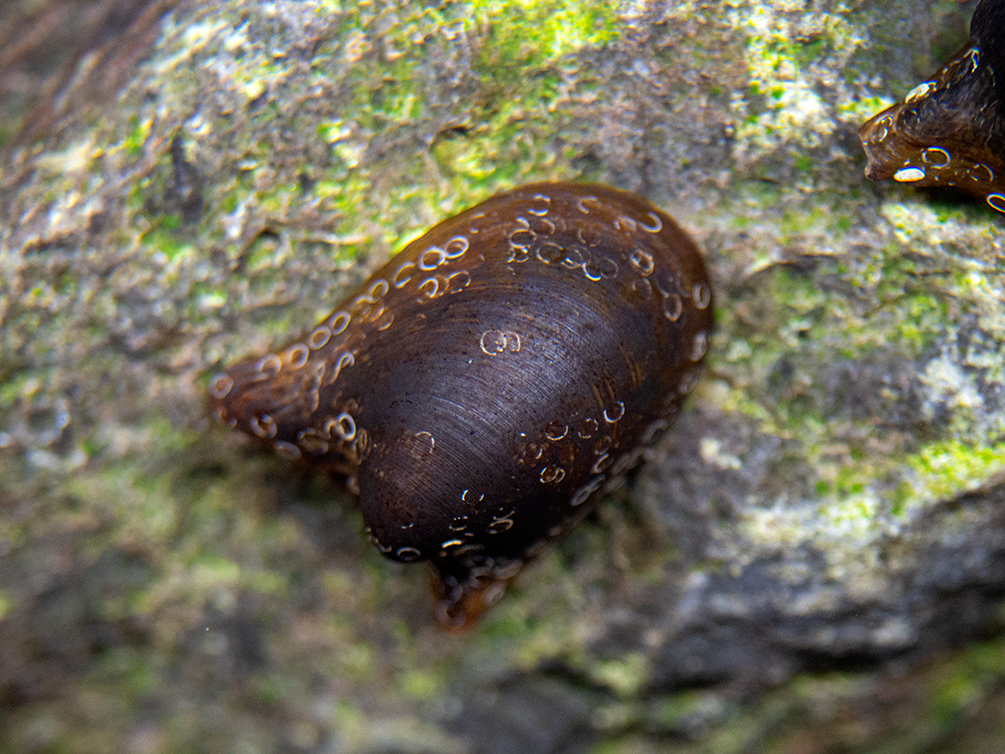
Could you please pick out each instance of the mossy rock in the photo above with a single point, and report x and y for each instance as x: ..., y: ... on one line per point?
x: 814, y: 558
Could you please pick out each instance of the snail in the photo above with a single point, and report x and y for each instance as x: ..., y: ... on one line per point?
x: 484, y: 388
x: 950, y: 129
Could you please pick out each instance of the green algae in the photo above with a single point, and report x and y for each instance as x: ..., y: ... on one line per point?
x: 379, y: 155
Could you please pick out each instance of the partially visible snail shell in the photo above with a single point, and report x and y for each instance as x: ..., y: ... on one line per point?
x: 483, y: 388
x: 950, y: 130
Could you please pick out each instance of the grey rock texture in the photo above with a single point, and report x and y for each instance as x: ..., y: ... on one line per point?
x: 811, y: 560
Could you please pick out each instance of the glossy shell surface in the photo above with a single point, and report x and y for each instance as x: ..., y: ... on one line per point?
x: 483, y: 388
x: 950, y: 129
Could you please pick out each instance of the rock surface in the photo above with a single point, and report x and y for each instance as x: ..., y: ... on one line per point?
x: 813, y: 560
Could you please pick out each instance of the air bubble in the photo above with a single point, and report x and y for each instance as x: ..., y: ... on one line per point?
x: 270, y: 363
x: 623, y: 222
x: 262, y: 426
x: 343, y: 425
x: 673, y: 307
x: 556, y: 431
x: 626, y: 461
x: 458, y: 281
x: 407, y: 554
x: 688, y: 381
x: 919, y: 91
x: 221, y: 414
x: 494, y: 342
x: 313, y: 442
x: 909, y: 175
x: 584, y: 492
x: 655, y: 225
x: 973, y: 175
x: 642, y: 261
x: 700, y: 346
x: 376, y: 312
x: 603, y: 267
x: 521, y: 238
x: 220, y: 385
x: 552, y: 474
x: 542, y: 203
x: 319, y: 336
x: 601, y: 464
x: 345, y: 359
x: 287, y: 450
x: 573, y: 258
x: 298, y: 355
x: 532, y: 451
x: 518, y: 254
x: 589, y: 236
x: 588, y: 428
x: 608, y: 267
x: 542, y: 226
x: 432, y: 258
x: 550, y: 253
x: 502, y: 523
x: 666, y: 284
x: 936, y: 157
x: 340, y: 322
x: 652, y: 433
x: 427, y: 441
x: 361, y: 307
x: 429, y: 288
x: 397, y: 279
x: 702, y: 295
x: 643, y: 288
x: 456, y: 247
x: 362, y: 444
x: 997, y: 201
x: 617, y: 411
x: 882, y: 133
x: 974, y: 57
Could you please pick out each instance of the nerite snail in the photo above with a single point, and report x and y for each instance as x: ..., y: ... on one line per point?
x: 483, y: 388
x: 950, y: 130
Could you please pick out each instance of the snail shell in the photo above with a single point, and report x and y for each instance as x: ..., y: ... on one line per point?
x: 483, y: 388
x: 950, y: 130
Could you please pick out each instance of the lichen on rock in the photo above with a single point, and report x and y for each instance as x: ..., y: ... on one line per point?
x: 824, y: 530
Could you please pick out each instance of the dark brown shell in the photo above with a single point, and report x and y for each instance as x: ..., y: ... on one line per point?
x: 950, y: 130
x: 485, y: 386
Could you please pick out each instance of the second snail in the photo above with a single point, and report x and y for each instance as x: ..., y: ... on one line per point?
x: 485, y: 387
x: 950, y: 129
